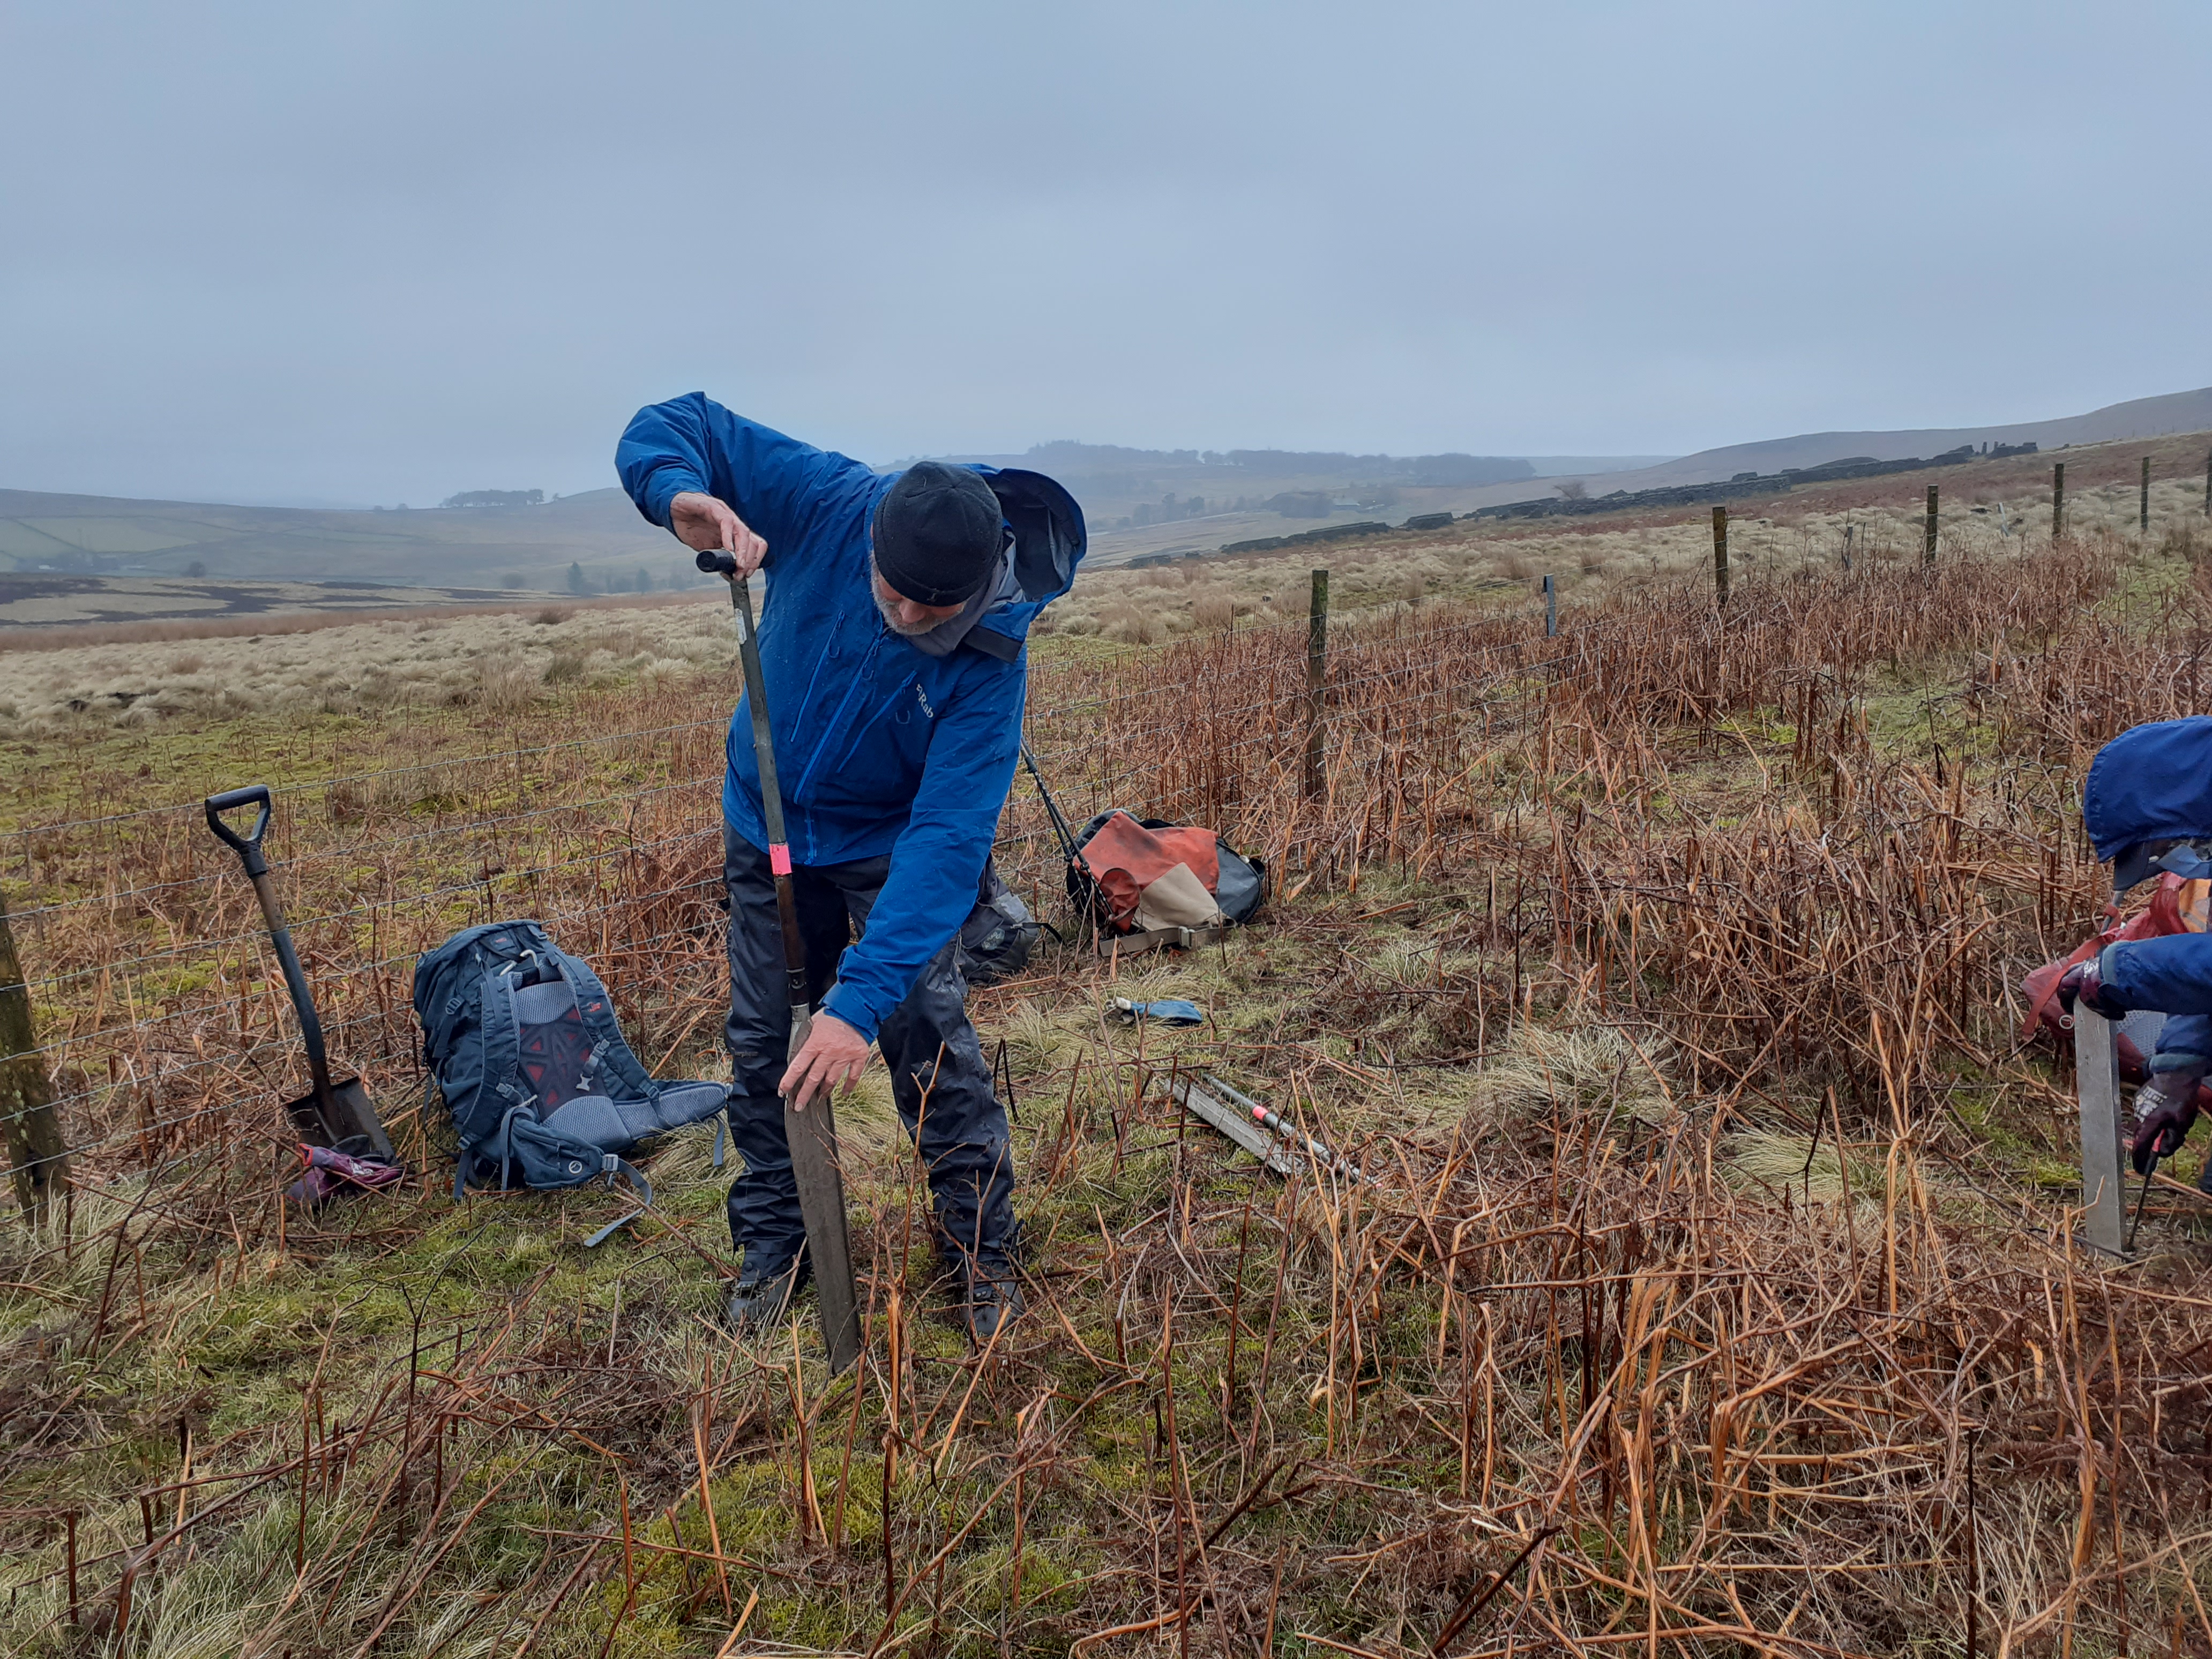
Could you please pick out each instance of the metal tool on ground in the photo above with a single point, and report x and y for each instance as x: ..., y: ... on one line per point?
x: 1267, y: 1118
x: 1231, y: 1122
x: 811, y: 1129
x: 338, y: 1113
x: 1259, y: 1130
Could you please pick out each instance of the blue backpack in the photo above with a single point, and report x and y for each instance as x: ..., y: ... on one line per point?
x: 521, y: 1041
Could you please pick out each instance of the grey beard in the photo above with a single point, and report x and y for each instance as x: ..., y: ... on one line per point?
x: 904, y: 630
x: 942, y: 639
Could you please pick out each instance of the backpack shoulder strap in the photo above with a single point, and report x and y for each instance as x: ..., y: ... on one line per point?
x: 495, y: 1028
x: 616, y: 1067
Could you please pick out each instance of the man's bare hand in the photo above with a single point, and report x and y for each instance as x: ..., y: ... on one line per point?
x: 706, y: 525
x: 833, y: 1054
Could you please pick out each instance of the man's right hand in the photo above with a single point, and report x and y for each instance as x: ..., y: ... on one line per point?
x: 706, y: 524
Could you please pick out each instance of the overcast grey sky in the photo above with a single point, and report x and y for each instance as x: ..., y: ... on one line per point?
x: 383, y: 252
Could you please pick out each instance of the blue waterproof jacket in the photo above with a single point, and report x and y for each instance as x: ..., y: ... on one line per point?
x: 879, y: 747
x: 2154, y: 782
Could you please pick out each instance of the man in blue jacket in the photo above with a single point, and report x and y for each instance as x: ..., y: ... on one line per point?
x: 2147, y: 807
x: 892, y: 646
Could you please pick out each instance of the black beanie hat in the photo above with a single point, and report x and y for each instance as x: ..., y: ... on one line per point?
x: 938, y: 534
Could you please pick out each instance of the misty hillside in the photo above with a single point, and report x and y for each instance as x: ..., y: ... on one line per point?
x: 1126, y: 489
x: 526, y: 547
x: 1139, y: 501
x: 2139, y: 417
x: 1129, y: 496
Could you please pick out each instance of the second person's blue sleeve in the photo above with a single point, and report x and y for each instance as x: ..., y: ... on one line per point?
x: 2172, y: 975
x: 2184, y: 1044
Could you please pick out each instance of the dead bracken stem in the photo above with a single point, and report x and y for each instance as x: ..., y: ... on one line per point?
x: 1711, y: 1287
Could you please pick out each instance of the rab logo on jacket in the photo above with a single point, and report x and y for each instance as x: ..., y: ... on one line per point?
x: 922, y: 697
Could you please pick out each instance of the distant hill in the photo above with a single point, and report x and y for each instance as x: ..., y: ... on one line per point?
x: 1138, y: 502
x: 1141, y: 501
x: 492, y: 547
x: 1112, y: 479
x: 2140, y: 418
x: 1146, y: 491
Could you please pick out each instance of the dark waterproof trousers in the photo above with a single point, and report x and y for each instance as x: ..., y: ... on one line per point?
x: 960, y: 1127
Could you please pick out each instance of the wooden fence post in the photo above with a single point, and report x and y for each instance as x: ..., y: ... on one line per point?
x: 2145, y: 526
x: 2057, y: 500
x: 1551, y: 610
x: 1316, y: 674
x: 2208, y: 485
x: 30, y: 1130
x: 1719, y: 557
x: 1927, y: 541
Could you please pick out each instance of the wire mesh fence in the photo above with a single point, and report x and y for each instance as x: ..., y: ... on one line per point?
x: 165, y: 1027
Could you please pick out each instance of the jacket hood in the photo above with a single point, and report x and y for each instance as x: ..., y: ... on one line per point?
x: 1050, y: 542
x: 2151, y: 783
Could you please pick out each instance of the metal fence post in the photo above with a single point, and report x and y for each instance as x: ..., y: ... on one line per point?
x: 2097, y: 1072
x: 1719, y: 557
x: 2057, y: 500
x: 1551, y: 610
x: 2146, y: 496
x: 1927, y: 541
x: 1316, y: 673
x: 30, y: 1131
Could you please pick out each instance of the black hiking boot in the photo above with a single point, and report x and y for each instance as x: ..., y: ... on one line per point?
x: 993, y: 1301
x: 758, y: 1300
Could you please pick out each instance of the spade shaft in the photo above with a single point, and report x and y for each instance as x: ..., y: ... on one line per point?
x: 336, y: 1111
x: 810, y: 1127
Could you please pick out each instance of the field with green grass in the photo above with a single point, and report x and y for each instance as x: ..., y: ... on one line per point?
x: 1709, y: 1284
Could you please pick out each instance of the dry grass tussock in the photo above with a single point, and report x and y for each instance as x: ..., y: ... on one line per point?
x: 1504, y: 563
x: 1713, y: 1290
x: 74, y: 636
x: 500, y: 661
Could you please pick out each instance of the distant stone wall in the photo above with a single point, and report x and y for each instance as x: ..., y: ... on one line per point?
x: 1335, y: 532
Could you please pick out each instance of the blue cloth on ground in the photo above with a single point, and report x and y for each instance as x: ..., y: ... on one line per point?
x: 1170, y: 1011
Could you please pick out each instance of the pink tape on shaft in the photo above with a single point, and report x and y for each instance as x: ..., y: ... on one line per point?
x: 778, y: 859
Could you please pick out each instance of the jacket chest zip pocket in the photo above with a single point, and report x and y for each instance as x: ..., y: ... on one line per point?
x: 854, y: 691
x: 897, y: 708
